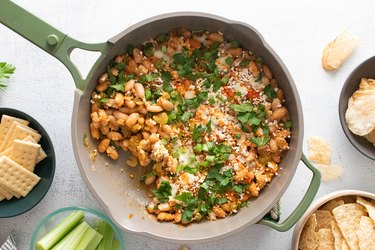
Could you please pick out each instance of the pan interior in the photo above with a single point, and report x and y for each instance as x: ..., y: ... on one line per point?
x: 124, y: 198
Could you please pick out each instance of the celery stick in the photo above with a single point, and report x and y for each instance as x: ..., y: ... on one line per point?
x: 116, y: 245
x: 58, y: 232
x: 90, y: 241
x: 72, y: 240
x: 107, y: 232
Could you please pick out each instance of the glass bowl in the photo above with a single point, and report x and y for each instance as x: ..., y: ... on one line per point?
x: 54, y: 218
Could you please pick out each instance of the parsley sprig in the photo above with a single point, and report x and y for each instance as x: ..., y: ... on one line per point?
x: 6, y: 70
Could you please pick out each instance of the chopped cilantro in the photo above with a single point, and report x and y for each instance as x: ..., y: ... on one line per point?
x: 229, y: 61
x: 164, y: 191
x: 238, y: 136
x: 270, y: 92
x: 198, y: 148
x: 148, y: 94
x: 241, y: 108
x: 167, y: 87
x: 130, y: 48
x: 166, y: 76
x: 104, y: 100
x: 148, y: 49
x: 118, y: 87
x: 186, y: 116
x: 234, y: 44
x: 244, y: 63
x: 260, y: 141
x: 288, y: 124
x: 162, y: 37
x: 259, y: 60
x: 248, y: 118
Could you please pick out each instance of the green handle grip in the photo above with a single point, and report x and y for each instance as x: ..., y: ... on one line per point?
x: 48, y: 38
x: 303, y: 205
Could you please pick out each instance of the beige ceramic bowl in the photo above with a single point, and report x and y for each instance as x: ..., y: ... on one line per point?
x: 317, y: 204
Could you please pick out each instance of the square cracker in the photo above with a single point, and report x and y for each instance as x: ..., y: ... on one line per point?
x: 5, y: 193
x: 42, y: 154
x: 25, y: 153
x: 6, y: 122
x: 370, y: 207
x: 2, y: 197
x: 7, y: 152
x: 20, y: 132
x: 10, y: 133
x: 8, y: 193
x: 366, y: 233
x: 348, y: 217
x: 326, y: 240
x: 16, y: 178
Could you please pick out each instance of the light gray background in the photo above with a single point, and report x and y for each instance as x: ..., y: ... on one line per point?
x: 297, y: 31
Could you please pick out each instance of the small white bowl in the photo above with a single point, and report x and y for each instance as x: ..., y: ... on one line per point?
x: 317, y: 204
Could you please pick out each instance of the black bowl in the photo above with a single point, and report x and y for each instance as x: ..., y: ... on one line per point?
x: 364, y: 70
x: 44, y: 169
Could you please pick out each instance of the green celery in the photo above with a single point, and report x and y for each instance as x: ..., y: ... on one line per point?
x: 58, y: 232
x: 108, y: 236
x: 74, y: 237
x: 90, y: 240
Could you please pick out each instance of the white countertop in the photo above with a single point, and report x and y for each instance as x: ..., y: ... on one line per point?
x: 296, y: 30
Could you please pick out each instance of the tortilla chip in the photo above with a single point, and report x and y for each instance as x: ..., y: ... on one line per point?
x: 319, y: 150
x: 326, y: 240
x: 330, y: 172
x: 369, y: 207
x: 329, y: 206
x: 337, y: 235
x: 345, y: 246
x: 337, y: 51
x: 309, y: 238
x: 323, y: 218
x: 366, y: 233
x: 349, y: 199
x: 348, y: 217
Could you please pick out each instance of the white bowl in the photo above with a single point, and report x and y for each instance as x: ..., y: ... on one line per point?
x: 317, y: 204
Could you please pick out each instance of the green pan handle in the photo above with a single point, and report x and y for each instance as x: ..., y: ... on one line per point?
x: 48, y: 38
x: 303, y: 205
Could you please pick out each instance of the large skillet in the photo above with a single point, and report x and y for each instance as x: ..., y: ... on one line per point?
x: 123, y: 197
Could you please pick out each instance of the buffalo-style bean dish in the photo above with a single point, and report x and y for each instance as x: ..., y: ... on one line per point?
x: 203, y: 117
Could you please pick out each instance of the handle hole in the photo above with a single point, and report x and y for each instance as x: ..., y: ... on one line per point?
x: 296, y: 190
x: 84, y: 59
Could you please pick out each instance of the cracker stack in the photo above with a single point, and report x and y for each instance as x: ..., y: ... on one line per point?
x: 19, y: 154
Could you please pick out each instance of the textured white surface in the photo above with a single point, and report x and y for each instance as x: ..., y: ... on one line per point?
x: 296, y: 30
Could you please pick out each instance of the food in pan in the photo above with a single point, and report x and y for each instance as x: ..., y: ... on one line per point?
x: 360, y: 115
x: 19, y: 154
x: 343, y: 223
x: 337, y: 51
x: 203, y: 117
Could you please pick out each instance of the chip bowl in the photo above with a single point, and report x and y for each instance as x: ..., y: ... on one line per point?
x: 364, y: 70
x: 44, y: 169
x: 320, y: 202
x: 91, y: 217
